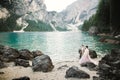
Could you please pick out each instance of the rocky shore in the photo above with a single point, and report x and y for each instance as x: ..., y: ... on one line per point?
x: 26, y: 65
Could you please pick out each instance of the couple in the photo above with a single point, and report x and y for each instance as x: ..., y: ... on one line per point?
x: 85, y: 57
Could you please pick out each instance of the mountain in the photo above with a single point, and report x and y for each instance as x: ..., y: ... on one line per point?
x: 80, y: 10
x: 31, y: 15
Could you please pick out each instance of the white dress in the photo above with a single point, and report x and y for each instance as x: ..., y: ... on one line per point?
x: 86, y: 58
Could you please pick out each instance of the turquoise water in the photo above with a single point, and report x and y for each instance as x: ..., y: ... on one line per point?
x: 60, y: 46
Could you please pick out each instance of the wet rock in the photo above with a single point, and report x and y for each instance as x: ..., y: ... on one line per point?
x: 9, y: 54
x: 42, y: 63
x: 74, y: 72
x: 2, y: 65
x: 22, y: 62
x: 96, y: 78
x: 89, y: 65
x: 22, y: 78
x: 93, y: 54
x: 37, y: 53
x: 109, y: 66
x: 25, y: 54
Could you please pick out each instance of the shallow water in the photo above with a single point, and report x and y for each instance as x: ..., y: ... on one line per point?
x: 60, y: 46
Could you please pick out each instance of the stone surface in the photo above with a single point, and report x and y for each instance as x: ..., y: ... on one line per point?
x: 89, y: 65
x: 42, y: 63
x: 37, y: 53
x: 75, y: 72
x: 109, y: 66
x: 25, y: 54
x: 22, y: 62
x: 9, y: 54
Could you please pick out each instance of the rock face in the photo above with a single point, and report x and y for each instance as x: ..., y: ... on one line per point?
x: 25, y: 54
x: 22, y: 62
x: 74, y: 72
x: 109, y: 66
x: 42, y: 63
x: 2, y: 65
x: 32, y: 13
x: 80, y: 10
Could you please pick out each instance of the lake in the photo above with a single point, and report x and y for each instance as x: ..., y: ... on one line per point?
x: 60, y: 46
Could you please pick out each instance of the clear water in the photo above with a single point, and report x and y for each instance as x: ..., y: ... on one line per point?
x: 60, y: 46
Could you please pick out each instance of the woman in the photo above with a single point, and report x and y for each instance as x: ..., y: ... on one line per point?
x: 86, y: 57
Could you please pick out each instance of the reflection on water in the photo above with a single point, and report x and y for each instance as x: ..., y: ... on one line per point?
x: 59, y: 45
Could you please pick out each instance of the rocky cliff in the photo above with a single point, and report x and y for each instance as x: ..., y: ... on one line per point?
x: 31, y: 15
x: 79, y: 11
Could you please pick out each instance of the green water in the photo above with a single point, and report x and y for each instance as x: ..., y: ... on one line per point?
x: 60, y: 46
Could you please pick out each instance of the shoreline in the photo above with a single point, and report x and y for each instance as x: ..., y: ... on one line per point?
x: 58, y: 73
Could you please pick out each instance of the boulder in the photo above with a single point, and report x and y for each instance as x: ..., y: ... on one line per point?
x: 9, y: 54
x: 42, y: 63
x: 37, y: 53
x: 22, y: 78
x: 89, y: 65
x: 25, y: 54
x: 22, y: 62
x: 109, y: 66
x: 93, y: 54
x: 74, y: 72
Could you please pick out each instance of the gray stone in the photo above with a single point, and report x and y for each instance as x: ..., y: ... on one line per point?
x: 42, y: 63
x: 75, y: 72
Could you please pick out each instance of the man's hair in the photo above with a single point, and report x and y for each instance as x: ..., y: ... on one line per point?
x: 86, y: 46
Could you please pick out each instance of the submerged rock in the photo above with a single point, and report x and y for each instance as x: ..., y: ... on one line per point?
x: 75, y: 72
x: 25, y: 54
x: 42, y: 63
x: 22, y: 62
x: 22, y: 78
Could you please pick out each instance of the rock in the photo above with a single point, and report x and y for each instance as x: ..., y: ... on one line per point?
x: 109, y: 66
x: 74, y: 72
x: 2, y: 73
x: 96, y: 78
x: 22, y: 78
x: 1, y: 49
x: 9, y: 54
x: 25, y: 54
x: 2, y: 65
x: 37, y: 53
x: 22, y: 62
x: 93, y: 30
x: 93, y: 54
x: 42, y: 63
x: 89, y: 65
